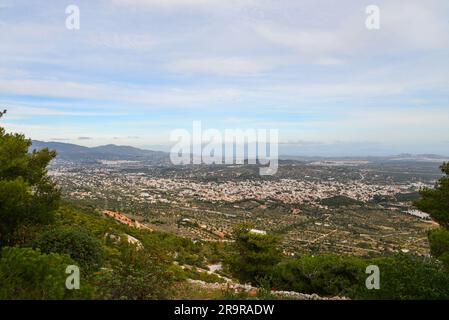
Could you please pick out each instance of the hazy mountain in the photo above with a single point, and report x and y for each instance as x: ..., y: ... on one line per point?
x: 68, y: 151
x: 59, y: 146
x: 73, y: 152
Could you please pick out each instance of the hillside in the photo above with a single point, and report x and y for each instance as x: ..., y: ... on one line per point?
x: 144, y: 264
x: 126, y: 260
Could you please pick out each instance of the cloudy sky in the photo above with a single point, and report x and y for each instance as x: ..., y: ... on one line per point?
x: 137, y: 69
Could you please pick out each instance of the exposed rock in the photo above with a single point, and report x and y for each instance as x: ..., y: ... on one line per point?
x: 129, y: 239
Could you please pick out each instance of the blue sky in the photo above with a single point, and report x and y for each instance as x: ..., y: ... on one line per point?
x: 138, y: 69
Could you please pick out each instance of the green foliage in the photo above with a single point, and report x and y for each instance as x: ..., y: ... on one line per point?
x: 28, y: 274
x: 203, y: 276
x: 85, y: 218
x: 405, y: 277
x: 340, y: 201
x: 179, y: 274
x: 439, y: 245
x: 439, y: 242
x: 436, y: 201
x: 327, y: 275
x: 255, y: 255
x: 128, y: 273
x: 15, y: 201
x: 407, y: 197
x: 76, y: 243
x: 401, y: 277
x: 184, y: 250
x: 135, y: 276
x: 209, y: 277
x: 27, y: 195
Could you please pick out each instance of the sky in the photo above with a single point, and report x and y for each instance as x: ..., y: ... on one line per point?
x: 138, y: 69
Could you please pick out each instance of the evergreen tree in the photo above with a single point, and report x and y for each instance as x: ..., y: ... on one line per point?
x: 27, y: 194
x: 436, y: 202
x: 255, y: 256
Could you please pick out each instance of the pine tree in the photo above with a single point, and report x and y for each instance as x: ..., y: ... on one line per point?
x: 436, y: 202
x: 27, y: 194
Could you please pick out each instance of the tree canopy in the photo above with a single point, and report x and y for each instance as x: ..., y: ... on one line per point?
x: 27, y: 194
x: 436, y: 202
x: 255, y: 255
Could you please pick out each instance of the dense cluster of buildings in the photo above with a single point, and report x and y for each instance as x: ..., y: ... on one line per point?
x: 139, y: 187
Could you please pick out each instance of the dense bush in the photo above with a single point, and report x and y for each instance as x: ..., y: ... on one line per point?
x: 76, y: 243
x: 408, y: 277
x: 327, y: 275
x: 28, y: 274
x: 439, y: 245
x: 340, y: 201
x: 401, y: 277
x: 436, y: 202
x: 135, y: 276
x: 202, y: 276
x: 254, y: 256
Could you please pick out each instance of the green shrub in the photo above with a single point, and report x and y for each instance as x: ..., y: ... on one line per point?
x: 76, y: 243
x: 203, y: 276
x: 28, y: 274
x: 405, y: 277
x: 327, y: 275
x: 136, y: 276
x: 254, y: 256
x: 439, y: 243
x: 179, y: 274
x: 436, y: 201
x: 402, y: 277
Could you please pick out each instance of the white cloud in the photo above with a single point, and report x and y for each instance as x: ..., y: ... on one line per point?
x: 409, y: 117
x: 405, y: 27
x: 226, y: 66
x: 16, y: 111
x: 305, y: 41
x: 122, y: 93
x: 183, y: 3
x: 272, y: 58
x: 123, y: 41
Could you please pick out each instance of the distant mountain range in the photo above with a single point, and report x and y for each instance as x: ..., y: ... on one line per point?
x: 68, y: 151
x: 73, y: 152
